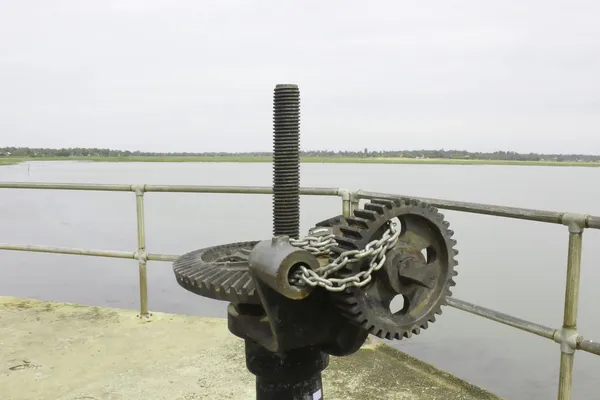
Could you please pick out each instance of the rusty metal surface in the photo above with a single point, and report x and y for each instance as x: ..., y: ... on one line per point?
x: 218, y: 272
x: 420, y: 269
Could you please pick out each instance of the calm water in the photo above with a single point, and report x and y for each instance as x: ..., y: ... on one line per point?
x: 514, y: 266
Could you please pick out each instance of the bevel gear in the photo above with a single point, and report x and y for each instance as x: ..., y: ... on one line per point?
x: 218, y: 272
x: 221, y: 272
x: 420, y: 268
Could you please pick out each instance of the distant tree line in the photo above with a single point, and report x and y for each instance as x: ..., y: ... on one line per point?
x: 441, y: 154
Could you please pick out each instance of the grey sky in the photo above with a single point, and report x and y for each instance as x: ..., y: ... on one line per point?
x: 198, y: 75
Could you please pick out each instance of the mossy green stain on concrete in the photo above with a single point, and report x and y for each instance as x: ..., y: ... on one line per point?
x: 71, y: 352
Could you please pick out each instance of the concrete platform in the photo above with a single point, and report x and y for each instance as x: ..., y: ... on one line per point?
x: 57, y: 351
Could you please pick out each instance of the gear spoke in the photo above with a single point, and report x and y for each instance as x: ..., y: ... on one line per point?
x: 418, y: 273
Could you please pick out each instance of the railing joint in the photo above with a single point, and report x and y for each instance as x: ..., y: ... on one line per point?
x: 141, y: 256
x: 568, y: 338
x: 346, y: 203
x: 139, y: 189
x: 344, y: 194
x: 576, y: 222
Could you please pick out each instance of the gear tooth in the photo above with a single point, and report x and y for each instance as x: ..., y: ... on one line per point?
x: 344, y: 244
x: 450, y: 233
x: 456, y: 252
x: 425, y: 325
x: 416, y: 331
x: 217, y: 283
x: 387, y: 203
x: 451, y: 283
x: 352, y: 232
x: 348, y: 314
x: 378, y: 208
x: 348, y: 300
x: 446, y: 223
x: 358, y: 222
x: 397, y: 202
x: 408, y: 334
x: 234, y: 283
x: 337, y: 220
x: 366, y: 214
x: 432, y: 318
x: 454, y: 273
x: 397, y: 336
x: 203, y: 278
x: 439, y: 310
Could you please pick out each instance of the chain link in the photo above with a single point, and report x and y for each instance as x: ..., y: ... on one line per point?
x: 320, y: 241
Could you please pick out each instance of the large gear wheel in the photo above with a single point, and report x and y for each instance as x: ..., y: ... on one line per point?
x: 419, y: 270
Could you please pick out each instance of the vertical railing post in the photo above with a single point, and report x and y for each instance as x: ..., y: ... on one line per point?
x: 346, y: 204
x: 353, y: 202
x: 567, y: 336
x: 141, y: 255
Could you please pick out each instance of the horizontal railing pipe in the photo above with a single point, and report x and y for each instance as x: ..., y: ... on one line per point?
x: 312, y: 191
x: 589, y: 346
x: 505, y: 319
x: 162, y: 257
x: 67, y: 186
x: 592, y: 222
x: 66, y: 250
x: 309, y: 191
x: 553, y: 217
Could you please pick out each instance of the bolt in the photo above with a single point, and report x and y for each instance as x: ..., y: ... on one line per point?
x: 286, y: 161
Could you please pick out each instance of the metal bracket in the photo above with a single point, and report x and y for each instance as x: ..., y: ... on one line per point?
x: 568, y: 339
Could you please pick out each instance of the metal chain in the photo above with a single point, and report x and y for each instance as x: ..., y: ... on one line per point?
x: 319, y: 243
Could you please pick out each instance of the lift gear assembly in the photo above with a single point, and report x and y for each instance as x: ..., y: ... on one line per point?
x: 295, y: 301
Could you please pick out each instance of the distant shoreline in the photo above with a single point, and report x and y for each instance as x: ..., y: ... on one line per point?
x: 305, y: 159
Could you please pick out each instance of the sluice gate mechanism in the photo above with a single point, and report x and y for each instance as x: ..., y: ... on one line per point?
x: 386, y: 269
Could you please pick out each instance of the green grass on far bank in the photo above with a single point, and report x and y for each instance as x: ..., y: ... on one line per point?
x: 306, y: 159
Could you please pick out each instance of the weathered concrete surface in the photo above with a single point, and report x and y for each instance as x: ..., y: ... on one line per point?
x: 57, y: 351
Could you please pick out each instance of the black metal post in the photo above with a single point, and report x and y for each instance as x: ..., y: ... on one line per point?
x: 292, y: 375
x: 286, y: 161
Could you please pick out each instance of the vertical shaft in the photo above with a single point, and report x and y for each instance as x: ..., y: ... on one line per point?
x: 286, y: 161
x: 289, y: 375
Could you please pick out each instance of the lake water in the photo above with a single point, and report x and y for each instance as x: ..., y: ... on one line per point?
x: 517, y: 267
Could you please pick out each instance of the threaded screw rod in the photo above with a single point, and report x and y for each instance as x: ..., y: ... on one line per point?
x: 286, y: 161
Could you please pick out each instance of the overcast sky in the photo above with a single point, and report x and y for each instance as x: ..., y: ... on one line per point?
x: 199, y: 75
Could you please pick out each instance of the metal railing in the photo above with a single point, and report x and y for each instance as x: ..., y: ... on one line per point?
x: 566, y: 336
